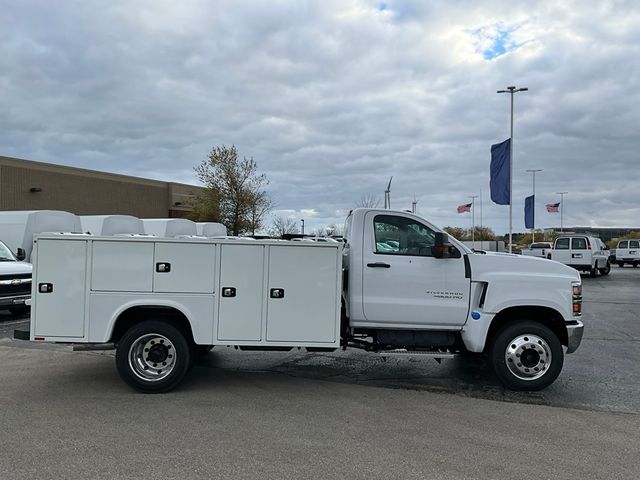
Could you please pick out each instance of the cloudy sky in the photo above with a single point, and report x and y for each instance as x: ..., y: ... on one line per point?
x: 331, y: 98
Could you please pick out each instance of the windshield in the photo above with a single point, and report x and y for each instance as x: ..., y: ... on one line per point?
x: 5, y: 254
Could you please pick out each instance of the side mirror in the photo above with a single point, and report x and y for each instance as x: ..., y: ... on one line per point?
x: 441, y: 246
x: 20, y: 254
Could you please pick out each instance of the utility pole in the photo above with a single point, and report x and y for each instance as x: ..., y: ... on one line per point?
x: 302, y: 222
x: 562, y: 194
x: 533, y: 229
x: 511, y: 90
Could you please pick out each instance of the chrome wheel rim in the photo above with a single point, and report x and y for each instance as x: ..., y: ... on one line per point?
x: 152, y: 357
x: 528, y: 357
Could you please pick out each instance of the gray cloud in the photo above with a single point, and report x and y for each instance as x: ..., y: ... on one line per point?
x: 332, y: 98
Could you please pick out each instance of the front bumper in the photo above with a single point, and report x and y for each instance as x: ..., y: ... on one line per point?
x: 575, y: 330
x: 18, y: 300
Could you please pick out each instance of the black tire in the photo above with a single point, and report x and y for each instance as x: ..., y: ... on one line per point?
x: 635, y: 264
x: 593, y: 272
x: 606, y: 270
x: 547, y: 357
x: 621, y: 264
x: 164, y: 346
x: 20, y: 311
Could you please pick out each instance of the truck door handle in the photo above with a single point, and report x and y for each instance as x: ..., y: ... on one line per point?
x: 378, y: 265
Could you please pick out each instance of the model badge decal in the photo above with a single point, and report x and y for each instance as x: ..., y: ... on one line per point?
x: 445, y: 294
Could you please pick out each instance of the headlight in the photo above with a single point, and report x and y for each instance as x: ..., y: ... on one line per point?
x: 576, y: 291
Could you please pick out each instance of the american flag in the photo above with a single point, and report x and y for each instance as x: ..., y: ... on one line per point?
x: 464, y: 208
x: 553, y: 207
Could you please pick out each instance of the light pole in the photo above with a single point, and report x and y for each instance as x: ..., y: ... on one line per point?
x: 302, y: 221
x: 473, y: 219
x: 562, y: 194
x: 511, y: 90
x: 533, y: 227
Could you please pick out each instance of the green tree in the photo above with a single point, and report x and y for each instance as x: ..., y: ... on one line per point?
x: 456, y: 232
x: 234, y: 192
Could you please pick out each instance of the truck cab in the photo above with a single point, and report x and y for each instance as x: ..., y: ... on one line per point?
x: 409, y: 286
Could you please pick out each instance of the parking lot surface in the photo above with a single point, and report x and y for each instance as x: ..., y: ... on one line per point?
x: 340, y: 415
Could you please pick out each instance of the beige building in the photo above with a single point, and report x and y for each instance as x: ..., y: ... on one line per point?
x: 28, y: 185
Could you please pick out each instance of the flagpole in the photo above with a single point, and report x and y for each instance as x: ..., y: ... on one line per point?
x: 511, y: 90
x: 562, y: 194
x: 533, y: 227
x: 473, y: 219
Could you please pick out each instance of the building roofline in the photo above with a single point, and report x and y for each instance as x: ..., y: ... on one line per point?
x: 53, y: 167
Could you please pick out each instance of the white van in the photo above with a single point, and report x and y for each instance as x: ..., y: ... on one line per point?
x: 628, y: 251
x: 582, y: 252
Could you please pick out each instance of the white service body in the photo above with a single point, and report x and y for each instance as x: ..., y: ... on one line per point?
x: 93, y: 280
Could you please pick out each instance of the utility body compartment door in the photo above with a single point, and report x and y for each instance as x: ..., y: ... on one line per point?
x: 303, y: 294
x: 241, y: 293
x: 183, y: 268
x: 59, y: 288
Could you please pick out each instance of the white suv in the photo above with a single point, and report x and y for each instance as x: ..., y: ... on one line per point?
x: 582, y: 252
x: 628, y: 251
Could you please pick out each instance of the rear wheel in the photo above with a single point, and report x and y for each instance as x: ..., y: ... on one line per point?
x: 153, y: 356
x: 621, y: 264
x: 526, y: 356
x: 593, y: 272
x: 635, y: 264
x: 606, y: 269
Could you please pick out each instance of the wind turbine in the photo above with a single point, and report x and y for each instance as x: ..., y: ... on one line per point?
x: 387, y: 195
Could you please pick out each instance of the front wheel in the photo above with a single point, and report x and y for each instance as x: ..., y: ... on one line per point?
x: 621, y: 264
x: 526, y: 356
x: 606, y: 269
x: 153, y: 356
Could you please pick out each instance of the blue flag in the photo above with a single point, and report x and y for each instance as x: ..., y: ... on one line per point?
x: 500, y: 175
x: 529, y: 212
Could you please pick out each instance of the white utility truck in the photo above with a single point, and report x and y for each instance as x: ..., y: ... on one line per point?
x: 397, y: 285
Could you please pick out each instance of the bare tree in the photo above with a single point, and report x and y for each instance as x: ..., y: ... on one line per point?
x: 234, y: 191
x: 283, y: 225
x: 368, y: 200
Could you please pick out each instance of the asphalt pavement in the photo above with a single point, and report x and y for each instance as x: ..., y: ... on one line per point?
x: 341, y: 415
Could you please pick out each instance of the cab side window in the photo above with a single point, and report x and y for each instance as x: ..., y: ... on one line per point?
x: 623, y: 244
x: 634, y: 244
x: 579, y: 244
x: 562, y: 244
x: 402, y: 236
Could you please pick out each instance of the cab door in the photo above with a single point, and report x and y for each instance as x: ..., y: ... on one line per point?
x: 404, y: 285
x: 562, y: 252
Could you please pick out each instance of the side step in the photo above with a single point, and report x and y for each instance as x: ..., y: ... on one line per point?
x: 403, y: 352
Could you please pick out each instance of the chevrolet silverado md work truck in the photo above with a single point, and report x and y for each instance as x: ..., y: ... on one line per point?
x: 397, y: 285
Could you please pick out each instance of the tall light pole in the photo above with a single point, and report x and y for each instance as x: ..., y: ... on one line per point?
x: 511, y: 90
x: 562, y: 194
x: 533, y: 227
x: 473, y: 219
x: 302, y: 222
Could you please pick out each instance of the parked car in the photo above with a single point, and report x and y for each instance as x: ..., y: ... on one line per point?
x: 538, y: 249
x: 628, y: 251
x: 582, y: 252
x: 15, y: 281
